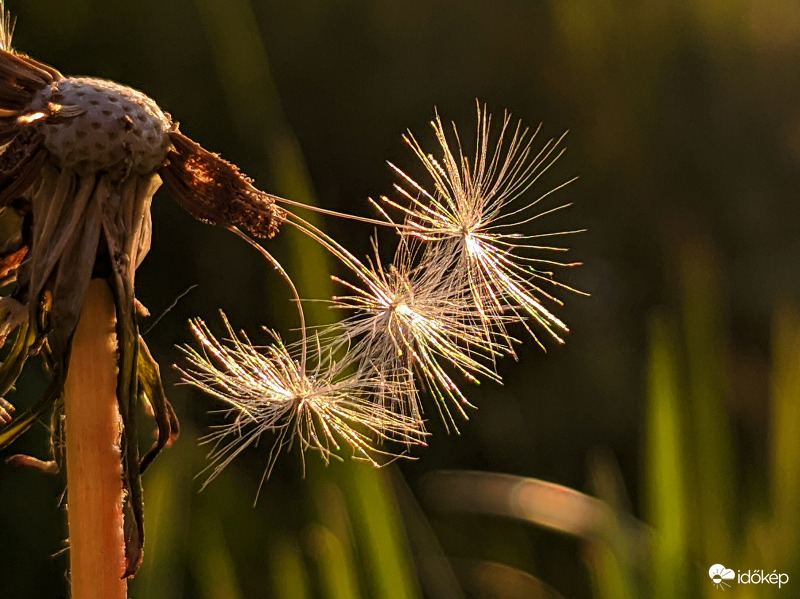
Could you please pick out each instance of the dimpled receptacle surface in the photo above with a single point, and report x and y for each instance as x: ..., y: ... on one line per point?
x: 120, y: 129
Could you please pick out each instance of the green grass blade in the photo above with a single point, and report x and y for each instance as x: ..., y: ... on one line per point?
x: 380, y: 535
x: 664, y: 466
x: 785, y: 438
x: 712, y: 473
x: 608, y: 573
x: 290, y: 576
x: 212, y: 564
x: 615, y: 564
x: 333, y: 537
x: 169, y: 504
x: 338, y: 579
x: 244, y: 71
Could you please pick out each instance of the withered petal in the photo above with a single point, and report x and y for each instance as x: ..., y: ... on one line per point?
x: 20, y: 165
x: 20, y: 77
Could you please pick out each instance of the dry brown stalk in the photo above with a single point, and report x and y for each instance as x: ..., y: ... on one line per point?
x: 94, y: 468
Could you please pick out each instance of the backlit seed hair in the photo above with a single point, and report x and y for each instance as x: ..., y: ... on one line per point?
x: 464, y: 272
x: 475, y: 207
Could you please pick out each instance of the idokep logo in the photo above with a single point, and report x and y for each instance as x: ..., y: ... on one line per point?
x: 720, y: 575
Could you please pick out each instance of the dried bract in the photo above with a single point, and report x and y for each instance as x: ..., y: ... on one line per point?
x: 215, y: 191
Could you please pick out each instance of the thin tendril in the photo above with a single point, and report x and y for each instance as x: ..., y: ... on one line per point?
x: 363, y: 219
x: 288, y: 279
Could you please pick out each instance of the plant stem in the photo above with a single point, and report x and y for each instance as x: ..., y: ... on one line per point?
x: 94, y: 470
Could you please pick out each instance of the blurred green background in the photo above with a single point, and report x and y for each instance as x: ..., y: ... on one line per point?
x: 672, y: 415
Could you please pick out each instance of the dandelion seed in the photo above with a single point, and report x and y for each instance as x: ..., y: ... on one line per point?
x: 268, y: 390
x: 283, y: 391
x: 405, y: 321
x: 471, y: 212
x: 459, y: 278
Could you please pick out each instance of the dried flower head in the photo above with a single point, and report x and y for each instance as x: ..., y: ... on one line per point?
x: 80, y: 160
x: 473, y: 210
x: 79, y: 172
